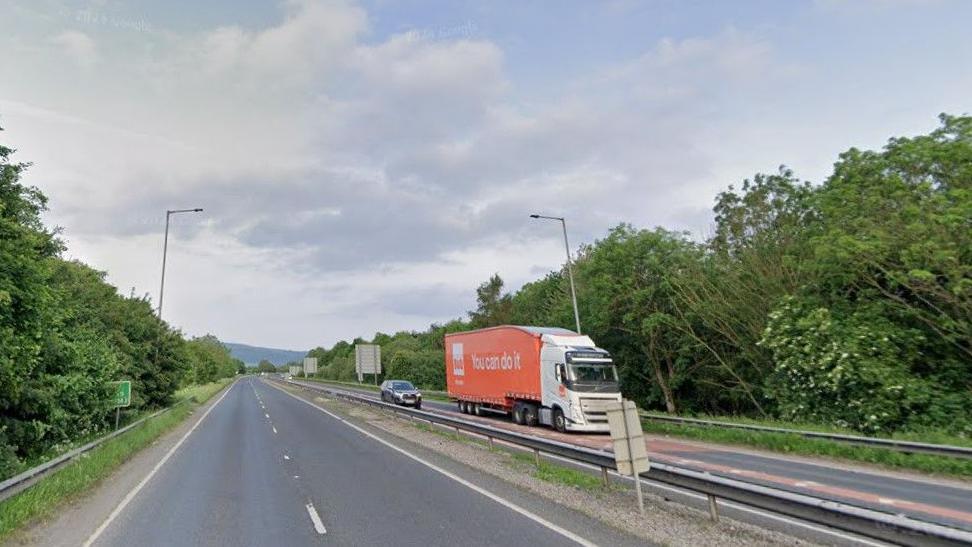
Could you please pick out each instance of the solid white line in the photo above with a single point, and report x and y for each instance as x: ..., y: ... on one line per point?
x: 506, y: 503
x: 318, y: 525
x: 134, y: 491
x: 739, y: 507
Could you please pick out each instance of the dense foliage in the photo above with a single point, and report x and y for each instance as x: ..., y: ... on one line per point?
x: 66, y: 334
x: 846, y: 303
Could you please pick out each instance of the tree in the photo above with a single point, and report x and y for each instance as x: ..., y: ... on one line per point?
x: 633, y: 303
x: 266, y: 366
x: 492, y: 306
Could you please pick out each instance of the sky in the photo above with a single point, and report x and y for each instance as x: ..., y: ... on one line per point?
x: 363, y: 166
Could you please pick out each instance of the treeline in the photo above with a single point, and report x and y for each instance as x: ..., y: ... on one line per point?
x: 847, y: 303
x: 66, y: 334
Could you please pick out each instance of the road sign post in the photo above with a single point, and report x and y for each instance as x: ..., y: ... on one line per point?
x: 367, y: 360
x: 122, y: 397
x: 630, y: 453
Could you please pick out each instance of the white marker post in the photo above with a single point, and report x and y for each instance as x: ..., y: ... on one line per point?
x: 630, y: 453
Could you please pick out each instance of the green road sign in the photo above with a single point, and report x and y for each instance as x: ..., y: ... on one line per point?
x: 123, y: 393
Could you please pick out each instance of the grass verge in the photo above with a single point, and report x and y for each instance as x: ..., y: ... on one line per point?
x: 549, y: 472
x: 559, y: 474
x: 88, y: 470
x: 789, y: 443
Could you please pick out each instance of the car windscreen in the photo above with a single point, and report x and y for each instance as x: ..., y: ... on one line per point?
x: 403, y: 386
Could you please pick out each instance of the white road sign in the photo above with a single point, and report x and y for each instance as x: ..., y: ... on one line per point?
x: 367, y: 359
x: 310, y: 365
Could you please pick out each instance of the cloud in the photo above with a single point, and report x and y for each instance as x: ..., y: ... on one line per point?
x: 326, y: 156
x: 355, y: 181
x: 78, y: 46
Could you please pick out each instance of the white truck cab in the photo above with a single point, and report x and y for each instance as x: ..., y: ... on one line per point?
x: 577, y: 379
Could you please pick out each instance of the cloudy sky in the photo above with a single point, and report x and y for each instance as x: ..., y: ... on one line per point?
x: 363, y: 166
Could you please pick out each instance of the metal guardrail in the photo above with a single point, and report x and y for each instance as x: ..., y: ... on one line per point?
x: 22, y: 481
x: 889, y: 444
x: 893, y: 528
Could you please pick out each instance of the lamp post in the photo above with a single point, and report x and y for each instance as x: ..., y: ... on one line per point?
x: 570, y: 271
x: 165, y: 248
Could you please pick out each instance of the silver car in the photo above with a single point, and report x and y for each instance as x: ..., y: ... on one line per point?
x: 401, y: 392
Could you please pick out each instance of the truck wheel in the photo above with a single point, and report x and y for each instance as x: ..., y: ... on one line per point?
x: 518, y: 414
x: 464, y: 407
x: 559, y: 421
x: 530, y: 416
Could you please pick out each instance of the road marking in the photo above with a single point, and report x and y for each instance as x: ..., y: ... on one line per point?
x: 318, y: 525
x: 506, y: 503
x: 286, y: 457
x: 274, y: 429
x: 738, y: 507
x: 138, y: 487
x: 267, y: 415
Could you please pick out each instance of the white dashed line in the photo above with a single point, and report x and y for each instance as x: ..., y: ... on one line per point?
x: 504, y: 502
x: 274, y: 429
x: 286, y: 457
x: 318, y: 525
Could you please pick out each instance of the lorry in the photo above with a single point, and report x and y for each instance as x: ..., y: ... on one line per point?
x: 537, y: 375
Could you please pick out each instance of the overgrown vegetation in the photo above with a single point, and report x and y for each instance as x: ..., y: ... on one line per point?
x: 846, y: 303
x: 66, y: 334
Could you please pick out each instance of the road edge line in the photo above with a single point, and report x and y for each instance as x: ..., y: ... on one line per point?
x: 478, y: 489
x: 138, y: 487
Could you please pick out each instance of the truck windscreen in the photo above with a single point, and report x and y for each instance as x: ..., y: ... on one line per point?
x: 593, y: 373
x: 593, y: 378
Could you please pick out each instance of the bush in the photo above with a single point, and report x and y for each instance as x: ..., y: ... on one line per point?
x: 845, y: 370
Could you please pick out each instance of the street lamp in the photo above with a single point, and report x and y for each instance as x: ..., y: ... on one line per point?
x: 165, y: 248
x: 570, y: 272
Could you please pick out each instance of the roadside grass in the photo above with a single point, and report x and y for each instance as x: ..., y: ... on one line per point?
x: 88, y: 470
x: 789, y: 443
x: 546, y: 471
x: 924, y: 436
x: 559, y: 474
x: 426, y: 394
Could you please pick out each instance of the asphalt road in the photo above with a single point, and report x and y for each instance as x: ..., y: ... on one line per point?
x: 265, y: 468
x: 948, y: 503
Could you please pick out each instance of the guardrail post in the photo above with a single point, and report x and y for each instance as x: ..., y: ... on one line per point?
x: 490, y: 441
x: 713, y: 508
x: 604, y: 476
x: 457, y: 433
x: 536, y: 456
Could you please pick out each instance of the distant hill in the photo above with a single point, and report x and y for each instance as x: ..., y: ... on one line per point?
x: 252, y: 355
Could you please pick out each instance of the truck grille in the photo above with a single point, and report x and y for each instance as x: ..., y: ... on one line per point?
x: 595, y: 410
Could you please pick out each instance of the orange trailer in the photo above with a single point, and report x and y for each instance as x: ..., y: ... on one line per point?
x: 538, y: 374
